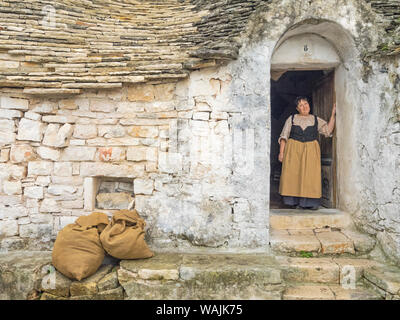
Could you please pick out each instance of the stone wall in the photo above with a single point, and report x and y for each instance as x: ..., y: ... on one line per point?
x: 196, y: 151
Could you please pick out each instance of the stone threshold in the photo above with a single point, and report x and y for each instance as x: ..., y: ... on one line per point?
x: 192, y: 276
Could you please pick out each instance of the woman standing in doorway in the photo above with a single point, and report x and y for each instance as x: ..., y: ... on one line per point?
x: 300, y: 154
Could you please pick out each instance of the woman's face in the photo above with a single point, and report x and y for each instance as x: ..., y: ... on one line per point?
x: 303, y: 108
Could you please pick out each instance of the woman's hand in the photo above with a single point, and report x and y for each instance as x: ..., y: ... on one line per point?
x: 333, y: 110
x: 280, y: 157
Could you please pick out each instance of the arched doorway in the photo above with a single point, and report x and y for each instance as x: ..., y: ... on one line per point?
x: 304, y: 65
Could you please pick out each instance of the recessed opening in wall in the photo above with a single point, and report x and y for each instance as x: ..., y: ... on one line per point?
x: 318, y: 87
x: 108, y: 193
x: 114, y: 194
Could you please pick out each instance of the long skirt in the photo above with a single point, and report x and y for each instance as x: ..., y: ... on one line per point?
x: 301, y: 170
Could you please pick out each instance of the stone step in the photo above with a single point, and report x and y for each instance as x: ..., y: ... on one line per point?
x: 320, y: 241
x: 324, y: 270
x: 308, y: 219
x: 205, y: 276
x: 328, y: 292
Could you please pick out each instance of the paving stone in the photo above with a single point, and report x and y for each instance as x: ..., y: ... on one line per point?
x: 385, y: 277
x: 295, y: 243
x: 309, y: 292
x: 362, y: 242
x: 108, y: 282
x: 88, y: 286
x: 349, y: 267
x: 317, y: 270
x: 335, y: 242
x: 359, y: 293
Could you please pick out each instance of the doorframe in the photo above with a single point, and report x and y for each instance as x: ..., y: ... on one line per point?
x: 310, y: 67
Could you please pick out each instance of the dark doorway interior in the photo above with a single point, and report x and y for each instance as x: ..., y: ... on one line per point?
x: 284, y: 90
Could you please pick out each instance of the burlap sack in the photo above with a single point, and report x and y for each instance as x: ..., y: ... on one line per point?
x: 77, y: 251
x: 123, y: 238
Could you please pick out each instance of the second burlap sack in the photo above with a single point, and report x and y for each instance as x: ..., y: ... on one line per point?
x: 77, y: 252
x: 123, y: 238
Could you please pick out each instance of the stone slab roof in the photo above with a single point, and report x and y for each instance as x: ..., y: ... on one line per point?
x: 66, y: 46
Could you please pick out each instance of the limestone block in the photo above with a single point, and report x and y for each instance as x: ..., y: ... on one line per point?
x: 14, y: 212
x: 8, y: 228
x: 30, y: 130
x: 164, y: 92
x: 12, y: 187
x: 7, y: 138
x: 111, y: 170
x: 170, y: 162
x: 63, y: 169
x: 33, y: 116
x: 47, y: 153
x: 21, y: 153
x: 61, y: 288
x: 75, y: 168
x: 59, y: 119
x: 7, y: 125
x: 201, y: 116
x: 309, y: 292
x: 76, y: 142
x: 11, y: 114
x: 141, y: 92
x: 40, y: 168
x: 4, y: 155
x: 108, y: 282
x: 222, y: 128
x: 241, y: 211
x: 117, y: 200
x: 8, y: 171
x: 102, y: 105
x: 42, y: 181
x: 45, y: 107
x: 115, y: 131
x: 57, y: 189
x: 41, y: 218
x: 141, y: 153
x: 110, y: 154
x: 218, y: 115
x: 68, y: 104
x: 143, y: 131
x: 39, y: 231
x: 33, y: 192
x: 199, y: 128
x: 56, y: 136
x: 160, y: 274
x: 83, y: 131
x: 78, y: 153
x: 88, y: 286
x: 335, y: 242
x: 295, y: 243
x: 14, y: 103
x: 385, y: 277
x: 72, y: 204
x: 143, y: 186
x: 4, y: 64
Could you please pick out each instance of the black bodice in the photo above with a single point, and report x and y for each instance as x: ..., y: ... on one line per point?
x: 309, y: 134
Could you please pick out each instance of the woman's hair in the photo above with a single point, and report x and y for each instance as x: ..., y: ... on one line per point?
x: 298, y: 99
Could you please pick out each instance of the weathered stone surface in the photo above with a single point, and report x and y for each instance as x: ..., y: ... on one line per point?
x: 88, y: 286
x: 12, y: 187
x: 4, y: 155
x: 111, y: 170
x: 56, y: 136
x: 119, y: 200
x: 33, y: 192
x: 102, y: 105
x: 38, y: 231
x: 309, y: 292
x: 83, y: 131
x: 57, y: 189
x: 362, y: 242
x: 316, y: 270
x: 384, y: 277
x: 78, y: 153
x: 110, y: 154
x: 48, y: 153
x: 58, y: 285
x: 63, y: 169
x: 8, y: 228
x: 353, y: 267
x: 21, y: 153
x: 14, y: 103
x: 108, y: 282
x: 10, y: 114
x: 295, y: 243
x: 335, y: 242
x: 141, y: 153
x: 43, y: 168
x: 49, y: 205
x: 30, y: 130
x: 141, y: 92
x: 354, y: 294
x: 143, y: 131
x: 143, y: 186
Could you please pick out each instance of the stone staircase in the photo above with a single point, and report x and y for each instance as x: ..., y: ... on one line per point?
x: 316, y: 233
x: 203, y: 276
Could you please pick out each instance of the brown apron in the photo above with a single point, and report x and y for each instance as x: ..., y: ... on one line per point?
x: 301, y: 169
